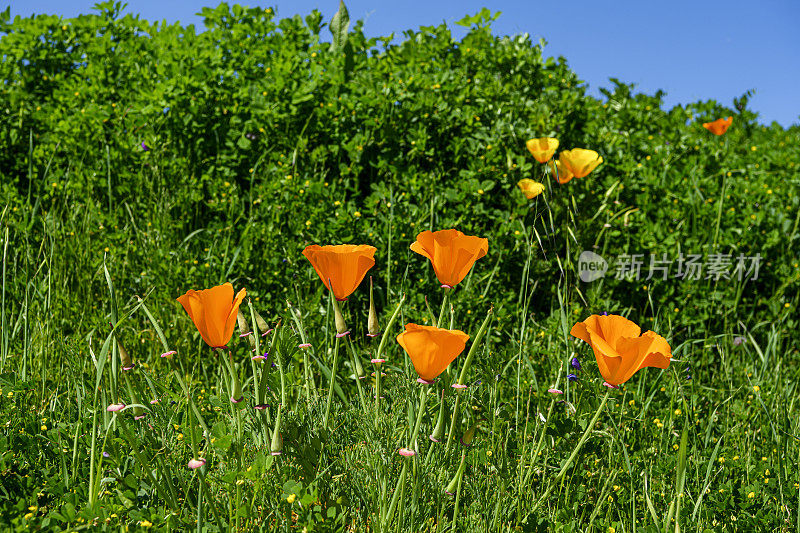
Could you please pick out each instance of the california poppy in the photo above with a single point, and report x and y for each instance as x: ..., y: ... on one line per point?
x: 213, y: 312
x: 531, y: 189
x: 719, y: 126
x: 431, y: 349
x: 452, y: 253
x: 542, y: 148
x: 560, y: 173
x: 620, y: 348
x: 342, y: 267
x: 579, y: 161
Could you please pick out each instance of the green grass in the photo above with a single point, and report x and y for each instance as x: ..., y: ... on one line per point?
x: 96, y: 234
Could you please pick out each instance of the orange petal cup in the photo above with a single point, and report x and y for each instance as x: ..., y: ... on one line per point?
x: 579, y: 162
x: 431, y: 349
x: 542, y: 148
x: 342, y: 267
x: 451, y: 253
x: 620, y: 347
x: 213, y: 312
x: 531, y: 189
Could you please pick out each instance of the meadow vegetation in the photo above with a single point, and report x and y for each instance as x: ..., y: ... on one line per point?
x: 140, y: 160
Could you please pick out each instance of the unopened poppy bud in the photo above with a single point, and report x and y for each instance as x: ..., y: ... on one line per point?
x: 236, y: 391
x: 466, y: 439
x: 241, y: 321
x: 452, y: 487
x: 276, y: 446
x: 438, y: 431
x: 263, y: 327
x: 244, y: 329
x: 359, y: 369
x: 373, y: 328
x: 341, y: 325
x: 124, y: 358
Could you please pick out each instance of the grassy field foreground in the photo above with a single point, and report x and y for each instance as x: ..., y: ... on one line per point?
x: 141, y: 160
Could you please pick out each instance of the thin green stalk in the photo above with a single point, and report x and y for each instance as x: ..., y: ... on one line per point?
x: 458, y: 490
x: 377, y: 392
x: 423, y: 394
x: 333, y: 381
x: 445, y: 299
x: 568, y: 462
x: 463, y: 376
x: 307, y: 376
x: 401, y: 482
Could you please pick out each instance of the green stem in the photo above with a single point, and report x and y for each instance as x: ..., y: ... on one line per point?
x: 444, y: 307
x: 309, y: 382
x: 401, y: 481
x: 389, y: 325
x: 377, y: 392
x: 568, y: 462
x: 460, y: 474
x: 414, y: 434
x: 333, y: 381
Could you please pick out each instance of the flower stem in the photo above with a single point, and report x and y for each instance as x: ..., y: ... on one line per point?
x: 444, y: 307
x: 377, y: 392
x: 568, y: 462
x: 401, y: 481
x: 333, y: 381
x: 413, y: 437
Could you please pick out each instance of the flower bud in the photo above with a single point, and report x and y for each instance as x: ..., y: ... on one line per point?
x: 452, y: 487
x: 263, y: 327
x: 276, y: 446
x: 438, y: 431
x: 466, y: 439
x: 373, y: 328
x: 341, y: 325
x: 124, y: 358
x: 244, y: 329
x: 236, y: 390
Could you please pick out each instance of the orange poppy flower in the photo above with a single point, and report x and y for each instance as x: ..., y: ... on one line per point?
x: 579, y: 161
x: 620, y: 348
x: 213, y: 312
x: 431, y: 349
x: 531, y: 189
x: 559, y: 172
x: 451, y: 252
x: 542, y: 148
x: 342, y: 267
x: 719, y: 126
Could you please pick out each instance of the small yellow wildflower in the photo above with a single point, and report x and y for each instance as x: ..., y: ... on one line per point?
x: 291, y: 498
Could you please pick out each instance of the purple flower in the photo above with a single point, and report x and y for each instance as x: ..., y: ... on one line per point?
x: 738, y: 340
x: 575, y: 363
x: 145, y: 147
x: 572, y: 377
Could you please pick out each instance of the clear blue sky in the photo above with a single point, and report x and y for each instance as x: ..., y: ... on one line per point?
x: 693, y: 50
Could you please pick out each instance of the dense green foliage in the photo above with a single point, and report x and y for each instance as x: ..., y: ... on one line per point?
x: 180, y: 160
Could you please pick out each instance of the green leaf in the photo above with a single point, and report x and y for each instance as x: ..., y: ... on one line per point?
x: 339, y: 25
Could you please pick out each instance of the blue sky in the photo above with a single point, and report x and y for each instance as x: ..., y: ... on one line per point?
x: 693, y: 50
